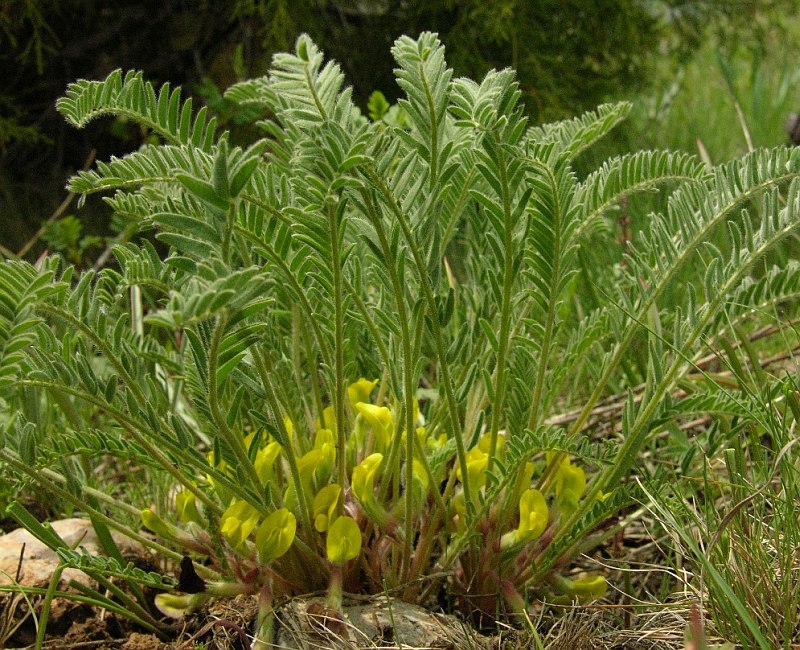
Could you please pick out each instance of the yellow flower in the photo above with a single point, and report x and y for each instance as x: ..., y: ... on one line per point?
x: 460, y: 512
x: 360, y: 391
x: 324, y: 441
x: 570, y: 478
x: 237, y: 522
x: 419, y: 473
x: 186, y: 506
x: 326, y: 506
x: 328, y: 419
x: 569, y: 484
x: 363, y: 480
x: 156, y: 524
x: 477, y: 460
x: 224, y: 468
x: 178, y: 605
x: 306, y: 465
x: 435, y: 443
x: 265, y: 459
x: 584, y: 589
x: 485, y: 442
x: 308, y: 462
x: 344, y: 540
x: 380, y: 421
x: 275, y: 535
x: 419, y: 419
x: 533, y: 515
x: 591, y: 587
x: 527, y: 473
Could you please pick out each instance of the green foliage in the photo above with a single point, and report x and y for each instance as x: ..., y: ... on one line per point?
x: 443, y: 254
x: 131, y: 97
x: 742, y: 535
x: 569, y: 57
x: 25, y: 18
x: 65, y: 236
x: 731, y: 94
x: 380, y: 109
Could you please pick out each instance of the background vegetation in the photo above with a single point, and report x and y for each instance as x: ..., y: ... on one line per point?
x: 569, y: 57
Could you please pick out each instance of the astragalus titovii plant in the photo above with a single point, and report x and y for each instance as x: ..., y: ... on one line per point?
x: 366, y: 356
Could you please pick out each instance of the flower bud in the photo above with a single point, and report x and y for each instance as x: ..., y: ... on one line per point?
x: 156, y: 524
x: 178, y: 605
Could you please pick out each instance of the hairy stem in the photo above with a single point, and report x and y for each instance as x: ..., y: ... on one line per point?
x: 504, y: 342
x: 436, y: 328
x: 338, y: 347
x: 235, y: 442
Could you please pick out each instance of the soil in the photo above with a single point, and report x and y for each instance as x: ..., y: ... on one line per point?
x: 71, y: 626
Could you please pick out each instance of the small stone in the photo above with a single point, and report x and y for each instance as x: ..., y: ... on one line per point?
x: 38, y: 562
x: 371, y: 622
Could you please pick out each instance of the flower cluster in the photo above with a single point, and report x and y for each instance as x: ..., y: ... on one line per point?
x: 364, y: 516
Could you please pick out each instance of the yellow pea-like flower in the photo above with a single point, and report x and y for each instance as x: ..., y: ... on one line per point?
x: 585, y: 589
x: 265, y: 460
x: 363, y: 479
x: 569, y: 484
x: 328, y: 419
x: 533, y: 515
x: 156, y: 524
x: 275, y: 535
x: 419, y: 473
x: 326, y: 506
x: 178, y: 605
x: 459, y: 512
x: 433, y: 444
x: 477, y: 460
x: 527, y: 473
x: 380, y: 421
x: 344, y: 540
x: 590, y: 588
x: 570, y: 478
x: 306, y: 465
x: 485, y: 441
x: 237, y: 522
x: 360, y: 391
x: 325, y: 442
x: 187, y: 507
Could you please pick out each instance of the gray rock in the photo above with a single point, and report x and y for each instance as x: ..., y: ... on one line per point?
x: 369, y: 623
x: 34, y: 566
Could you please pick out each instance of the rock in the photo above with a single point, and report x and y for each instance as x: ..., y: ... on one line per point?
x: 368, y: 623
x: 34, y: 567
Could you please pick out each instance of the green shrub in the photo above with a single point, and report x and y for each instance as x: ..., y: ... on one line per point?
x: 355, y: 358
